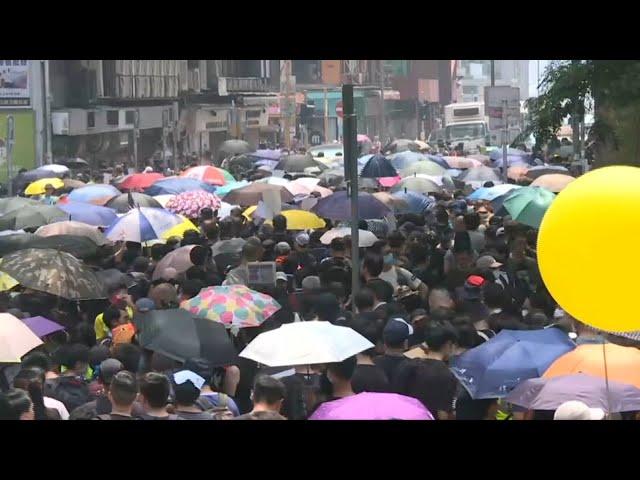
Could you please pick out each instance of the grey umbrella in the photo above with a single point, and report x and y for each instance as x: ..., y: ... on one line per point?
x: 15, y: 203
x: 298, y: 163
x: 233, y: 147
x: 401, y: 145
x: 31, y: 216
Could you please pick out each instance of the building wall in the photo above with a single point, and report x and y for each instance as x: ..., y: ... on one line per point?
x: 477, y: 75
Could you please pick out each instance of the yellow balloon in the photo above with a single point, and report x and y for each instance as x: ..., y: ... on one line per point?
x: 587, y: 248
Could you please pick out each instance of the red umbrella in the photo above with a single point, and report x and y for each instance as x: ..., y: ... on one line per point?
x: 205, y: 173
x: 140, y: 181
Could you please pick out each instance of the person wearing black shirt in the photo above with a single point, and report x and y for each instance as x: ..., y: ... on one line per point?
x: 395, y: 337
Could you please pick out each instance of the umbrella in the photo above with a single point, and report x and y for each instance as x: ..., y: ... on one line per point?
x: 422, y: 145
x: 338, y: 206
x: 189, y: 204
x: 393, y: 202
x: 89, y: 214
x: 302, y: 220
x: 389, y: 182
x: 439, y: 159
x: 125, y: 202
x: 42, y: 326
x: 139, y: 181
x: 331, y: 177
x: 70, y: 183
x: 6, y: 282
x: 535, y: 172
x: 550, y: 393
x: 37, y: 187
x: 112, y: 277
x: 74, y: 162
x: 497, y: 153
x: 16, y: 339
x: 426, y: 167
x: 361, y: 137
x: 163, y: 199
x: 491, y: 193
x: 176, y: 334
x: 373, y: 406
x: 81, y: 247
x: 298, y: 163
x: 517, y: 172
x: 480, y: 174
x: 378, y: 166
x: 365, y: 237
x: 417, y: 202
x: 53, y: 271
x: 267, y: 154
x: 554, y: 182
x: 623, y: 363
x: 494, y: 368
x: 233, y: 305
x: 239, y: 164
x: 31, y: 216
x: 234, y: 147
x: 483, y: 159
x: 528, y: 205
x: 305, y: 343
x: 142, y: 224
x: 24, y: 179
x: 401, y: 145
x: 176, y: 185
x: 207, y: 174
x: 222, y: 191
x: 96, y: 194
x: 180, y: 229
x: 180, y: 259
x: 55, y: 168
x: 462, y: 162
x: 418, y: 185
x: 252, y: 194
x: 71, y: 227
x: 16, y: 203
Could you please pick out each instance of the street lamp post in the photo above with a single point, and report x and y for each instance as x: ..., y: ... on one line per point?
x: 11, y: 138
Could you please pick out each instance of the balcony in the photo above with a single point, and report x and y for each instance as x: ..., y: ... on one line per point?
x: 228, y: 85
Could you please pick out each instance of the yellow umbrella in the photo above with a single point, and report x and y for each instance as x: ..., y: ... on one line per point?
x: 249, y: 212
x: 180, y: 229
x: 6, y: 282
x: 37, y: 187
x: 301, y: 220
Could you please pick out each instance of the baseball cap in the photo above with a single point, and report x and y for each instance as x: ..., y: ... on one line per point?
x: 472, y: 287
x: 145, y: 304
x: 108, y: 368
x: 576, y: 410
x: 283, y: 247
x: 487, y: 261
x: 188, y: 376
x: 281, y: 276
x: 396, y: 331
x: 302, y: 239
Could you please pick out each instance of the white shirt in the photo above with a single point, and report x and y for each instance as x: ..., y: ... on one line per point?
x: 57, y: 405
x: 391, y: 276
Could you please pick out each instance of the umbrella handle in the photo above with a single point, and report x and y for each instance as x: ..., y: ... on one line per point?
x: 606, y: 378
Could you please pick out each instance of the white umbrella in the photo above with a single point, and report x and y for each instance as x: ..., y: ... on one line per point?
x: 163, y: 199
x: 55, y: 168
x: 225, y: 210
x: 367, y: 238
x: 16, y: 339
x: 142, y: 224
x: 274, y: 181
x: 307, y: 182
x: 305, y: 343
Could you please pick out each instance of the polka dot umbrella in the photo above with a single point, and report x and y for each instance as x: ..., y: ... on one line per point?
x: 235, y: 306
x: 190, y: 203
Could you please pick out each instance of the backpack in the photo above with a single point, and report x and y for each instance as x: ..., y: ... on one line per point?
x: 219, y: 412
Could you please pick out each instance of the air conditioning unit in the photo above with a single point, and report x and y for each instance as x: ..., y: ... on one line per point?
x: 126, y: 119
x: 60, y: 123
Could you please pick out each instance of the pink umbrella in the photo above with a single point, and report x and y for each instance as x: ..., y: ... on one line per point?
x: 373, y: 406
x: 181, y: 259
x: 462, y: 162
x: 190, y: 203
x: 363, y: 138
x: 389, y: 181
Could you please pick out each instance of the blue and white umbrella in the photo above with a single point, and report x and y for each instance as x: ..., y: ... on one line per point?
x: 89, y: 214
x: 142, y: 224
x: 491, y: 193
x: 417, y: 202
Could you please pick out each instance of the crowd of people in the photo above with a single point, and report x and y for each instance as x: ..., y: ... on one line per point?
x: 438, y: 284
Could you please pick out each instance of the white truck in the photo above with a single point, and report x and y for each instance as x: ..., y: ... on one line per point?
x: 466, y: 123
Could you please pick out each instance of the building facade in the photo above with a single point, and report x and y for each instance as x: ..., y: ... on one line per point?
x: 474, y: 75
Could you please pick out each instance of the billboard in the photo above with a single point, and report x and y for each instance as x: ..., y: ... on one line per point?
x: 24, y: 149
x: 15, y: 85
x: 494, y: 100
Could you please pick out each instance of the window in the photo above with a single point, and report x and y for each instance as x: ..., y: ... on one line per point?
x: 130, y: 117
x: 470, y: 89
x: 112, y: 117
x: 91, y: 119
x: 253, y: 113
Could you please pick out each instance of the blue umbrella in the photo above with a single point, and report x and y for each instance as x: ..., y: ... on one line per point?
x: 89, y: 214
x: 404, y: 159
x: 175, y: 186
x: 496, y: 367
x: 497, y: 154
x: 378, y: 166
x: 514, y: 161
x: 417, y: 202
x: 491, y: 193
x: 439, y: 160
x: 142, y: 224
x: 93, y: 192
x: 338, y: 206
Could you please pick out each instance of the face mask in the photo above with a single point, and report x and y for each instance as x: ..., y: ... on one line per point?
x: 389, y: 259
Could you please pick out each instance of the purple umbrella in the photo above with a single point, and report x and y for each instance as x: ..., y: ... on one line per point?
x: 373, y: 406
x: 550, y: 393
x: 42, y: 326
x: 338, y: 206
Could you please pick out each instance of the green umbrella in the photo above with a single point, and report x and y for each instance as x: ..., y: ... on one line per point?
x: 15, y: 203
x: 31, y: 216
x: 528, y: 205
x: 426, y: 167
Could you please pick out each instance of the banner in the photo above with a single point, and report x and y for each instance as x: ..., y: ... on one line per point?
x: 14, y: 84
x: 24, y: 149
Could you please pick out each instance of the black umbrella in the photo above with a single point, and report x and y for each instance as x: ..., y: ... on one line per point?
x: 113, y: 277
x: 378, y: 166
x: 31, y: 216
x: 298, y: 163
x: 401, y: 145
x: 233, y: 147
x: 178, y: 335
x: 127, y: 201
x: 73, y: 162
x: 23, y: 179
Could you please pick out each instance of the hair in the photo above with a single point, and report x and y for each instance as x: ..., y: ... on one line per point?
x: 251, y: 251
x: 494, y: 295
x: 162, y: 363
x: 74, y: 354
x: 418, y: 253
x: 471, y: 220
x: 111, y: 316
x: 129, y: 355
x: 326, y: 306
x: 37, y: 359
x: 206, y: 213
x: 438, y: 335
x: 155, y: 388
x: 462, y: 242
x: 504, y: 321
x: 14, y: 403
x: 382, y: 289
x: 373, y: 263
x: 343, y: 370
x: 158, y: 251
x: 83, y: 333
x: 191, y: 288
x: 211, y: 230
x: 396, y: 239
x: 370, y: 330
x: 536, y: 319
x: 364, y: 299
x: 267, y: 389
x: 31, y: 380
x: 279, y: 223
x: 140, y: 264
x: 337, y: 245
x: 467, y: 336
x: 185, y: 393
x: 124, y: 388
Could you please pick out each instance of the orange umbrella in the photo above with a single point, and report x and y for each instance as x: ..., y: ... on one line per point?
x: 556, y: 182
x: 623, y: 363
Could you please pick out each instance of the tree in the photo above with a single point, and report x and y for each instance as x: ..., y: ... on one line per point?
x: 610, y: 88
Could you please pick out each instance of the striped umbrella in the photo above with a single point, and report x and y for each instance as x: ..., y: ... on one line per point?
x: 206, y: 173
x: 142, y: 224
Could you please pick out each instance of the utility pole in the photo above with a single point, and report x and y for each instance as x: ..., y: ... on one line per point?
x: 326, y: 117
x: 11, y: 139
x: 382, y: 115
x: 349, y: 138
x: 46, y: 111
x: 165, y: 127
x: 285, y: 81
x: 575, y: 124
x: 493, y: 73
x: 505, y: 139
x: 136, y: 134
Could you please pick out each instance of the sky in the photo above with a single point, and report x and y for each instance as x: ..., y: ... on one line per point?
x: 536, y: 68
